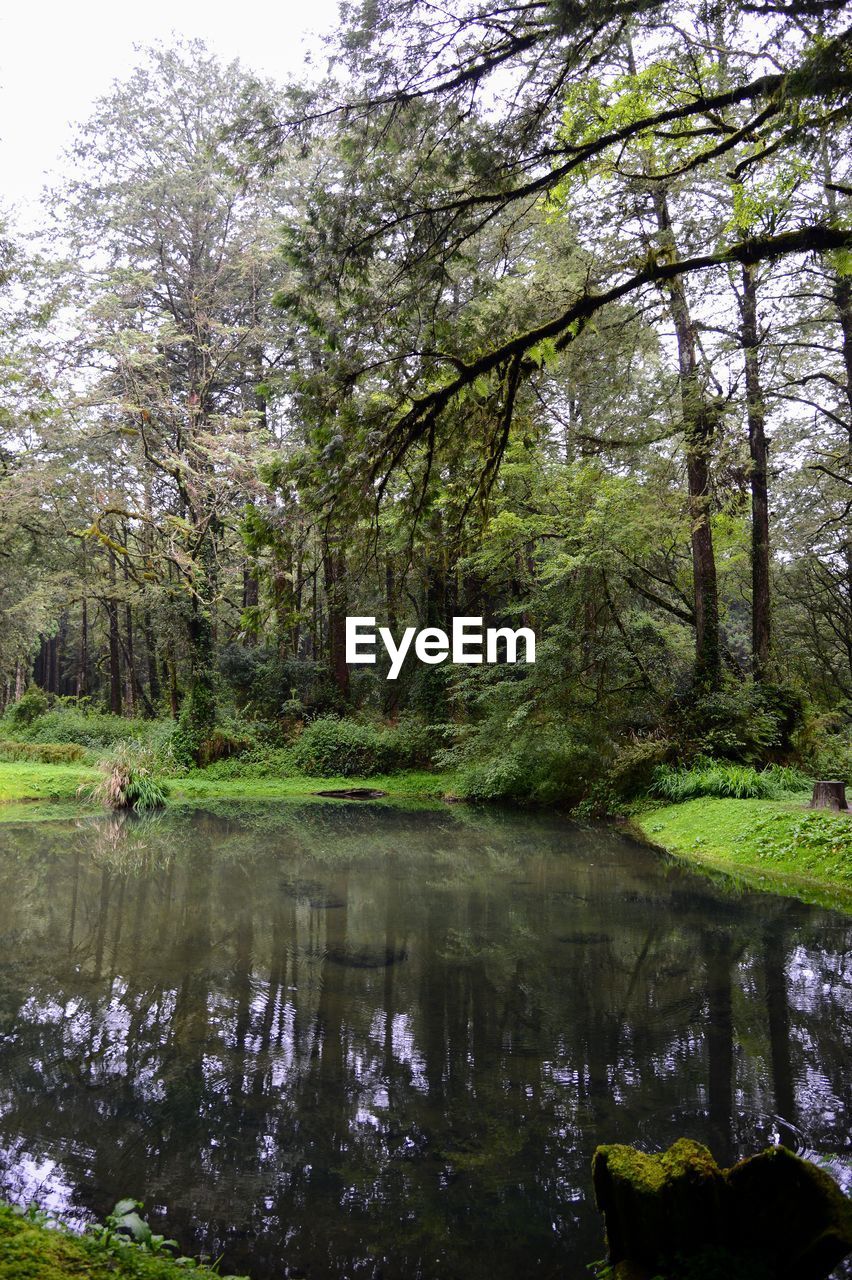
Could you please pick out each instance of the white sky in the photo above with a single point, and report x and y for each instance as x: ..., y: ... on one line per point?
x: 58, y: 56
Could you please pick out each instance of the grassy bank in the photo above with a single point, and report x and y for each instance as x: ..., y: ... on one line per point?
x: 23, y: 780
x: 25, y: 783
x: 29, y: 1250
x: 775, y: 845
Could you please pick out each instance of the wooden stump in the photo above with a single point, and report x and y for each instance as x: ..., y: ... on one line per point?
x: 829, y: 795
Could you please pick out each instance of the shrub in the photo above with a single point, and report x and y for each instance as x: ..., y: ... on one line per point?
x: 724, y: 779
x: 742, y: 721
x: 68, y: 722
x: 259, y: 762
x: 330, y: 747
x: 222, y: 745
x: 29, y: 707
x: 42, y: 753
x: 634, y: 765
x: 129, y: 781
x: 544, y: 764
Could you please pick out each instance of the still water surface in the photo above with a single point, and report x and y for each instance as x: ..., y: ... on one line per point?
x: 343, y: 1040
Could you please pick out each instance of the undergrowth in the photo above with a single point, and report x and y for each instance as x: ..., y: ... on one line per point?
x: 129, y: 780
x: 726, y: 780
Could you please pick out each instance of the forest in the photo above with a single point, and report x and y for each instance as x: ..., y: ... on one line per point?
x: 426, y: 655
x: 534, y: 312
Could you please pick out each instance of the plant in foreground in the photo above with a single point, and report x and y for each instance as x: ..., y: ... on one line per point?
x: 129, y: 781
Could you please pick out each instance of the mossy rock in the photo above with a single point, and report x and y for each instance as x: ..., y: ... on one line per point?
x: 677, y: 1197
x: 678, y: 1215
x: 791, y: 1212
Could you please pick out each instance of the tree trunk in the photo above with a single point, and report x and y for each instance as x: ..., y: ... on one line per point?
x: 174, y: 704
x: 83, y: 663
x: 130, y: 672
x: 251, y: 596
x: 151, y: 657
x: 758, y: 449
x: 334, y: 570
x: 829, y: 795
x: 198, y: 713
x: 114, y: 650
x: 698, y: 438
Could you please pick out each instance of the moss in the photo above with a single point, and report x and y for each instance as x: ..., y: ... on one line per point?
x: 678, y: 1215
x: 32, y: 1251
x: 791, y: 1211
x: 777, y: 846
x: 662, y: 1202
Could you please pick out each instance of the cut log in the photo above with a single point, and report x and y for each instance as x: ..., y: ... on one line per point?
x: 829, y: 795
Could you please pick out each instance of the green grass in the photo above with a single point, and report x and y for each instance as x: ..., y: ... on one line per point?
x: 726, y: 780
x: 775, y: 845
x: 30, y: 1250
x: 416, y: 784
x: 23, y: 783
x: 25, y: 780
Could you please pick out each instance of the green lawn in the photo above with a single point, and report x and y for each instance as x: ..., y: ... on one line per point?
x: 22, y: 783
x: 198, y: 786
x: 23, y: 780
x: 776, y: 845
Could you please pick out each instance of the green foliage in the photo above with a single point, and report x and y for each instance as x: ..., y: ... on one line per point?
x: 727, y: 780
x: 634, y: 765
x: 741, y: 721
x: 539, y: 764
x: 43, y: 753
x: 268, y: 686
x: 35, y: 1247
x: 220, y: 744
x: 129, y: 780
x: 257, y: 762
x: 330, y: 747
x: 27, y: 709
x: 73, y: 722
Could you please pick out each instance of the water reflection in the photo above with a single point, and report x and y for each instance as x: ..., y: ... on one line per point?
x: 332, y: 1040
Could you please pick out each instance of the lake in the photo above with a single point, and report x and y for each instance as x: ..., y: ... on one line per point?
x: 331, y: 1039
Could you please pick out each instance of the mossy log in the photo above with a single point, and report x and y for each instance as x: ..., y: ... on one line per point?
x: 829, y: 794
x: 773, y: 1216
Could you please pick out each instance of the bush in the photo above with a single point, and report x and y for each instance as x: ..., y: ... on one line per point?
x: 129, y: 781
x: 330, y: 748
x: 222, y: 745
x: 75, y: 723
x: 29, y: 707
x: 635, y: 764
x: 544, y: 764
x: 269, y: 686
x: 724, y: 779
x: 742, y: 721
x: 43, y: 753
x: 259, y: 762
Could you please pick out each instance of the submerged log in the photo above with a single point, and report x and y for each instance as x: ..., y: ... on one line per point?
x: 352, y: 793
x: 829, y: 795
x: 773, y: 1216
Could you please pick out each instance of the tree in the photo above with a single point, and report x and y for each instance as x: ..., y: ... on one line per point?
x: 172, y: 260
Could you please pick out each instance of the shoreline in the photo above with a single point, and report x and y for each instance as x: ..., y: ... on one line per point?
x: 769, y: 846
x: 774, y: 846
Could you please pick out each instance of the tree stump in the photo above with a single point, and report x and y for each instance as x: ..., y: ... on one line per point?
x: 829, y: 795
